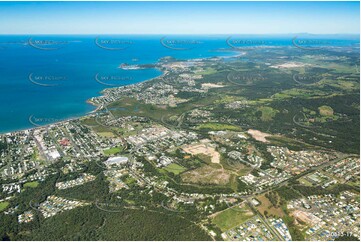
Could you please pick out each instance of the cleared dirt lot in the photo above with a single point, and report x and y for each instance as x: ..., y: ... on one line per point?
x: 204, y: 149
x: 258, y: 135
x: 206, y: 175
x: 266, y: 205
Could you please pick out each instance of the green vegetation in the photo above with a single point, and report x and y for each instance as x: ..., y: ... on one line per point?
x: 219, y: 126
x: 106, y: 134
x: 112, y: 151
x: 3, y: 146
x: 89, y: 191
x: 288, y: 193
x: 232, y: 217
x: 207, y: 71
x: 175, y: 168
x: 268, y: 113
x: 296, y: 234
x: 130, y: 180
x: 241, y: 186
x: 90, y: 223
x: 315, y: 190
x: 325, y: 110
x: 347, y: 238
x: 31, y: 184
x: 317, y: 113
x: 272, y: 196
x: 341, y: 84
x: 300, y: 93
x: 3, y: 205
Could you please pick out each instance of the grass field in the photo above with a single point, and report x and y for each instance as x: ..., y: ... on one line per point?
x: 3, y: 205
x: 305, y: 182
x: 130, y: 181
x: 35, y: 155
x: 175, y: 168
x: 299, y: 93
x: 106, y: 134
x: 340, y: 84
x: 266, y: 205
x: 208, y: 71
x: 219, y: 126
x: 268, y: 113
x: 325, y: 110
x: 231, y: 218
x: 112, y: 151
x: 31, y: 184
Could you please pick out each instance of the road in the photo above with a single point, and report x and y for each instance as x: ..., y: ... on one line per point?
x: 312, y: 169
x: 265, y: 222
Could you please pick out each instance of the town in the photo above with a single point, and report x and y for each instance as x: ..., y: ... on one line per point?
x: 150, y: 148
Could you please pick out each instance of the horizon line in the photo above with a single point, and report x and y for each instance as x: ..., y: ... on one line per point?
x: 304, y: 33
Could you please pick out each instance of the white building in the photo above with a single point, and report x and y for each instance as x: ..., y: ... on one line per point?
x: 117, y: 160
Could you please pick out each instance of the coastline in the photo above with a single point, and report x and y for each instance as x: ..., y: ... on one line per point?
x: 237, y: 54
x: 102, y: 91
x: 88, y: 101
x: 98, y: 107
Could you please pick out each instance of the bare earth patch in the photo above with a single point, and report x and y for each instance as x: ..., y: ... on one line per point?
x: 258, y: 135
x: 206, y: 175
x: 306, y: 217
x: 211, y: 85
x: 266, y: 205
x: 289, y: 65
x: 205, y: 149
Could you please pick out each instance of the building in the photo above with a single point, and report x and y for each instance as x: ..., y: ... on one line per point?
x: 118, y: 160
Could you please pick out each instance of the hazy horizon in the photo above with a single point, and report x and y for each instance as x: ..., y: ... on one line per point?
x: 179, y: 18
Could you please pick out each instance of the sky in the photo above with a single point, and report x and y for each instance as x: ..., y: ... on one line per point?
x: 179, y: 17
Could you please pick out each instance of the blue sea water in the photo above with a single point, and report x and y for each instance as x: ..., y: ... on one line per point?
x: 51, y: 77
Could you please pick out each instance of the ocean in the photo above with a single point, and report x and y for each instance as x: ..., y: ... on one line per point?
x: 51, y: 77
